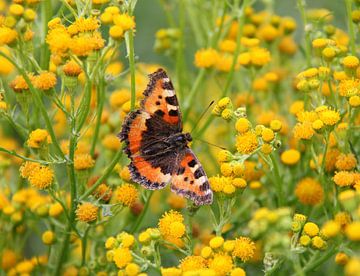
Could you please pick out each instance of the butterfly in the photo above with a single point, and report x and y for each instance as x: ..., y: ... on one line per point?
x: 157, y: 147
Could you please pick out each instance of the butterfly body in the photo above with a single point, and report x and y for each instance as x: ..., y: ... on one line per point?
x: 157, y: 147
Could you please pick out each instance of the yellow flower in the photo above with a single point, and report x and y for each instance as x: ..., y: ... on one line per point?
x: 116, y: 32
x: 349, y: 87
x: 330, y: 229
x: 311, y: 229
x: 296, y: 107
x: 268, y: 33
x: 244, y: 248
x: 132, y: 269
x: 221, y: 264
x: 305, y: 240
x: 275, y: 125
x: 309, y: 191
x: 82, y: 25
x: 41, y: 177
x: 55, y: 209
x: 343, y: 178
x: 320, y: 43
x: 45, y: 81
x: 119, y: 97
x: 341, y: 258
x: 317, y: 124
x: 83, y: 161
x: 171, y: 225
x: 8, y: 259
x: 71, y: 68
x: 110, y: 243
x: 7, y: 35
x: 27, y: 168
x: 346, y: 162
x: 48, y: 237
x: 171, y: 271
x: 206, y: 252
x: 239, y: 182
x: 206, y: 58
x: 303, y: 131
x: 127, y: 194
x: 176, y: 202
x: 125, y: 21
x: 58, y: 39
x: 38, y: 137
x: 192, y: 263
x: 318, y: 243
x: 290, y: 157
x: 16, y: 9
x: 260, y: 57
x: 267, y: 135
x: 352, y: 231
x: 351, y: 62
x: 329, y: 117
x: 238, y: 271
x: 216, y: 242
x: 354, y: 101
x: 122, y: 257
x: 352, y: 268
x: 111, y: 142
x: 242, y: 125
x: 19, y: 84
x: 247, y: 142
x: 86, y: 212
x: 227, y: 45
x: 6, y: 67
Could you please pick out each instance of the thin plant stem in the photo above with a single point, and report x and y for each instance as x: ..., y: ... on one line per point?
x: 131, y: 56
x: 348, y: 4
x: 104, y: 176
x: 301, y: 6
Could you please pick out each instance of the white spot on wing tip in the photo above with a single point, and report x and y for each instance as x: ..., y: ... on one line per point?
x: 169, y: 93
x: 166, y: 79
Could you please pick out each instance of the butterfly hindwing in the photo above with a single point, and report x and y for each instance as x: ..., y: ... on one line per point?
x: 190, y: 179
x: 160, y: 99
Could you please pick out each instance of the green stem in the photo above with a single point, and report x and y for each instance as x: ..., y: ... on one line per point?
x: 13, y: 153
x: 317, y: 260
x: 84, y: 244
x: 277, y: 180
x: 348, y: 4
x: 46, y: 10
x: 104, y: 176
x: 139, y: 220
x: 129, y: 39
x: 101, y: 99
x: 301, y: 6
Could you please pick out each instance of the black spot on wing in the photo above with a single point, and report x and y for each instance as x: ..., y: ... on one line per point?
x: 181, y: 170
x: 192, y: 163
x: 173, y: 113
x: 198, y: 173
x: 171, y: 100
x: 159, y: 113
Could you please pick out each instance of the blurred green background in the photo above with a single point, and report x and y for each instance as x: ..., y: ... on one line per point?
x: 150, y: 17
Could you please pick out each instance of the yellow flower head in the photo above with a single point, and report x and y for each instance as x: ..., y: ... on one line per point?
x: 27, y: 168
x: 41, y: 177
x: 343, y: 178
x: 45, y: 81
x: 244, y: 248
x: 127, y: 194
x: 125, y: 21
x: 38, y: 137
x: 351, y: 62
x: 303, y: 131
x: 221, y: 264
x: 86, y: 212
x: 71, y: 68
x: 290, y: 157
x: 48, y: 237
x: 192, y: 263
x: 309, y: 191
x: 346, y: 162
x: 311, y: 229
x: 329, y: 117
x: 352, y: 231
x: 247, y: 142
x: 122, y: 257
x: 330, y: 229
x: 171, y: 225
x: 206, y: 58
x: 7, y: 35
x: 59, y: 40
x: 83, y: 161
x: 260, y: 57
x: 19, y: 84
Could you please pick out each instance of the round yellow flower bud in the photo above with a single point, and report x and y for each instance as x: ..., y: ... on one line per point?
x: 216, y: 242
x: 311, y: 229
x: 275, y: 125
x: 206, y: 252
x: 242, y: 125
x: 48, y: 237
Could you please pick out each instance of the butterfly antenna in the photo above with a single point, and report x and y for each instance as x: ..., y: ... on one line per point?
x: 202, y: 115
x: 211, y: 144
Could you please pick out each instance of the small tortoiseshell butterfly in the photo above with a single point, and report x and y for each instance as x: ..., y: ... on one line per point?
x: 157, y: 147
